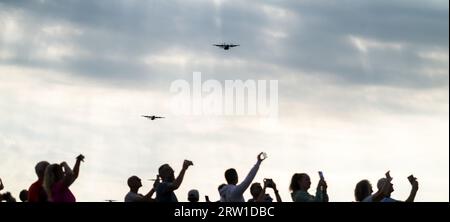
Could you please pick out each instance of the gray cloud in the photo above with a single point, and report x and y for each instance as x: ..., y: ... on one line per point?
x: 117, y: 35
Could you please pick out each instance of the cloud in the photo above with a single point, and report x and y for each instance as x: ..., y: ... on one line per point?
x: 110, y: 41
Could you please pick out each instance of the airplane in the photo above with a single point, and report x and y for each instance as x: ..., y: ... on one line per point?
x: 153, y: 117
x: 225, y: 46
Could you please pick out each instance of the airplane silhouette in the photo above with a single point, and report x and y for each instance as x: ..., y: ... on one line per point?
x: 225, y: 46
x: 153, y: 117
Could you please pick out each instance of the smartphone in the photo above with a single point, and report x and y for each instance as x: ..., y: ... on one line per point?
x: 321, y: 175
x: 263, y: 156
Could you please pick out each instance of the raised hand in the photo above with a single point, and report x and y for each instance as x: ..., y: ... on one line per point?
x: 80, y: 158
x: 388, y: 176
x: 322, y: 184
x: 414, y: 183
x: 187, y: 163
x: 261, y: 156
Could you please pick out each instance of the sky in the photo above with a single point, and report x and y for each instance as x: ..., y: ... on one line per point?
x: 363, y: 87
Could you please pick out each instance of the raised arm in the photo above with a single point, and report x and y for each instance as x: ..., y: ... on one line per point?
x: 76, y: 168
x: 277, y: 195
x: 321, y: 192
x: 177, y: 182
x: 380, y: 194
x: 148, y: 196
x: 240, y: 189
x: 68, y: 174
x: 414, y: 188
x: 261, y: 195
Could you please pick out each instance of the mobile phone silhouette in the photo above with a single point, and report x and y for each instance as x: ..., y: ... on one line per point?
x: 321, y: 175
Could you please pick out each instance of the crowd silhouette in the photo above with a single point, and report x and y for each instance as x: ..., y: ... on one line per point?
x: 54, y: 180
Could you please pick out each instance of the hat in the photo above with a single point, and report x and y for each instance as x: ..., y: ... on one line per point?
x: 193, y: 194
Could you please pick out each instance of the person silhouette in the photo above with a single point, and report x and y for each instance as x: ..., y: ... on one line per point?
x: 23, y: 195
x: 7, y: 197
x: 386, y: 182
x: 259, y: 193
x: 300, y: 184
x: 193, y: 196
x: 135, y: 183
x: 36, y: 192
x: 233, y: 192
x: 363, y: 189
x: 384, y: 189
x: 364, y: 192
x: 165, y: 190
x: 58, y: 178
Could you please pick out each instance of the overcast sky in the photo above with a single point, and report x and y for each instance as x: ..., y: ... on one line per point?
x: 363, y: 87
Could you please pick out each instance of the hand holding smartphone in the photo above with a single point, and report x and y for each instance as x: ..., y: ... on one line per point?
x: 80, y: 157
x: 321, y: 175
x: 262, y: 156
x: 322, y: 184
x: 187, y: 163
x: 388, y: 175
x: 268, y: 183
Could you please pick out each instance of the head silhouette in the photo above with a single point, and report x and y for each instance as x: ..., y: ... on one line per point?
x: 40, y: 169
x: 300, y: 181
x: 255, y: 190
x: 134, y: 183
x: 231, y: 176
x: 166, y: 172
x: 363, y: 189
x: 193, y: 195
x: 382, y: 182
x: 23, y: 196
x: 53, y: 173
